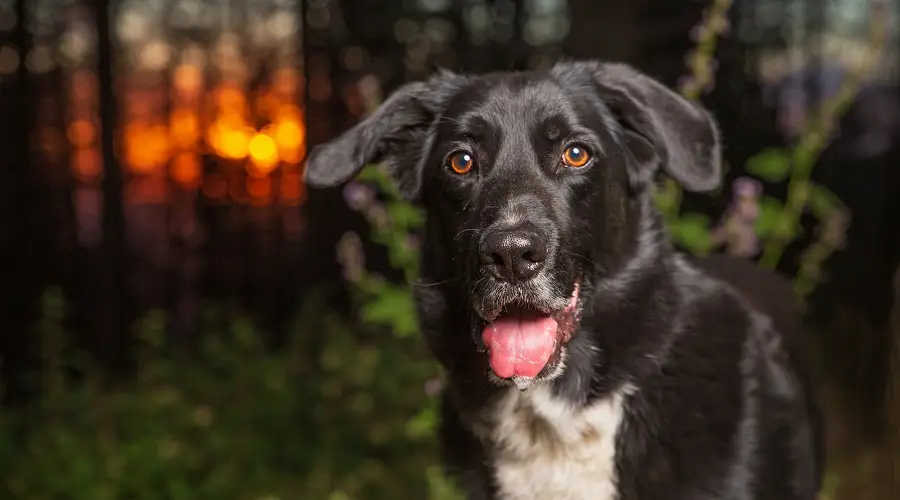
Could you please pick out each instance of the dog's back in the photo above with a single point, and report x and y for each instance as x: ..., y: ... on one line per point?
x: 772, y: 294
x: 765, y: 290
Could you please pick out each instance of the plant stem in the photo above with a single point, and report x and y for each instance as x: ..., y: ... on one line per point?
x: 702, y: 72
x: 831, y: 237
x: 813, y: 141
x: 701, y: 60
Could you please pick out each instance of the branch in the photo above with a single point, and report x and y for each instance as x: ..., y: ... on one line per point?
x: 814, y: 140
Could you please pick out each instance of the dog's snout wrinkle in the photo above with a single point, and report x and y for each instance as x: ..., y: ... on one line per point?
x: 514, y: 255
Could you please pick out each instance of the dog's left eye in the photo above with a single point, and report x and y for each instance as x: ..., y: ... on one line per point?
x: 461, y: 162
x: 576, y: 156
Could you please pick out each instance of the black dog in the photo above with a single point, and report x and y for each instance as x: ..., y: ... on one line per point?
x: 586, y: 359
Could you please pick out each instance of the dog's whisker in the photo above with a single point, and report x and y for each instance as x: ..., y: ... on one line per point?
x: 473, y: 230
x: 436, y: 283
x: 449, y: 120
x: 573, y: 254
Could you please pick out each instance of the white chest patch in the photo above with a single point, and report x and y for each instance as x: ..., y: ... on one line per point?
x: 546, y: 449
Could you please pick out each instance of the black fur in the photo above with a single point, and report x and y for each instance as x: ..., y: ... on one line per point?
x: 719, y: 406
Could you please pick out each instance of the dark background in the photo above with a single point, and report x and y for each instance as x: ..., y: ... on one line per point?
x: 126, y: 181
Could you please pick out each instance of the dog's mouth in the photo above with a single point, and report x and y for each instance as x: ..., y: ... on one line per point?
x: 525, y: 343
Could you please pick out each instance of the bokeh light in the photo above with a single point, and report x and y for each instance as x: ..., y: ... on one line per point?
x: 186, y: 169
x: 146, y: 147
x: 263, y: 154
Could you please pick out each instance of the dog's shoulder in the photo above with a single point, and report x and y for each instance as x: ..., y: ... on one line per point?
x: 759, y: 309
x: 763, y: 290
x: 736, y: 315
x: 721, y: 292
x: 725, y: 386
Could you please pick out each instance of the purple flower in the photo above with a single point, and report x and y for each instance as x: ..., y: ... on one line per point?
x: 358, y: 196
x: 377, y: 215
x: 351, y: 257
x: 737, y: 230
x: 698, y: 31
x: 738, y: 235
x: 745, y: 203
x: 747, y: 186
x: 725, y: 27
x: 433, y: 387
x: 685, y: 81
x: 833, y: 231
x: 744, y: 242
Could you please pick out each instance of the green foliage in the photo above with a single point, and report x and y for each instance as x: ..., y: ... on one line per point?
x: 385, y: 303
x: 691, y: 232
x: 823, y: 203
x: 668, y: 200
x: 770, y: 164
x: 778, y: 224
x: 340, y: 412
x: 393, y: 307
x: 401, y: 220
x: 769, y: 212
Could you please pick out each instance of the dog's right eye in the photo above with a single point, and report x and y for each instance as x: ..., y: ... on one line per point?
x: 576, y: 156
x: 461, y: 162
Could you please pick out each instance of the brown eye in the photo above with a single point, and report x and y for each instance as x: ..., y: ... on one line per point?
x: 576, y: 156
x: 461, y: 162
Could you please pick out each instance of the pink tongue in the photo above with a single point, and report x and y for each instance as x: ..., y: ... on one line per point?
x: 520, y: 344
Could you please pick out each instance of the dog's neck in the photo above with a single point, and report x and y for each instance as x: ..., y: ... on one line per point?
x: 604, y: 355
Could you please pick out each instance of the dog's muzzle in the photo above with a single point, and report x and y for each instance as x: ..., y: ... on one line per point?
x: 528, y: 312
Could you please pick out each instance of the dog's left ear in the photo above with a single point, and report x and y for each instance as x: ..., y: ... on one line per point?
x: 397, y: 134
x: 662, y: 129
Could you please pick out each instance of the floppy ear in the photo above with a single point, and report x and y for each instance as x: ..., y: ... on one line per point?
x: 662, y: 129
x: 397, y: 134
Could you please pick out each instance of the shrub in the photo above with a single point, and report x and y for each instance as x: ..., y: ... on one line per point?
x: 339, y: 413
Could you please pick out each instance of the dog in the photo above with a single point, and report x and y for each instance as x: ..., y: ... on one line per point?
x: 585, y: 357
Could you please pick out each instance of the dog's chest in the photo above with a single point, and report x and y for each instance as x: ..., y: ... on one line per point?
x: 545, y: 449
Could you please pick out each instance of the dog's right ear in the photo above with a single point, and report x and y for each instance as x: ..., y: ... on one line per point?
x: 395, y: 134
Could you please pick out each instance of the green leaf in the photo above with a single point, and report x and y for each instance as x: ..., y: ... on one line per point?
x: 770, y: 210
x: 375, y: 174
x: 822, y: 202
x: 405, y: 215
x: 423, y: 424
x: 668, y: 198
x: 393, y: 307
x: 770, y: 164
x: 691, y: 231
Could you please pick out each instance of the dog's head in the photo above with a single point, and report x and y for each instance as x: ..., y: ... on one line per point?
x: 535, y: 187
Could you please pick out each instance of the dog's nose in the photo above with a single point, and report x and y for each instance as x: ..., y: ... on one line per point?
x: 513, y: 255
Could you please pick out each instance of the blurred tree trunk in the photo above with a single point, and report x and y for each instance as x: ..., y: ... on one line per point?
x: 604, y: 30
x: 112, y: 319
x: 892, y: 460
x: 17, y: 286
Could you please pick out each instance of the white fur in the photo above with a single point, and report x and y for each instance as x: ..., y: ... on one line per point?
x: 572, y: 457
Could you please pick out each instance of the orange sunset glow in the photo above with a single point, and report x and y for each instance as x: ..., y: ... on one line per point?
x: 160, y: 141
